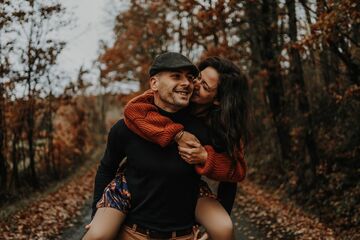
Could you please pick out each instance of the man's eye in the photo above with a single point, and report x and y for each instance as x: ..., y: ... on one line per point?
x: 190, y: 78
x: 176, y: 76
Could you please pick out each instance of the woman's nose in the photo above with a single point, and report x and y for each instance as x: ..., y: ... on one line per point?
x: 196, y: 84
x: 197, y: 81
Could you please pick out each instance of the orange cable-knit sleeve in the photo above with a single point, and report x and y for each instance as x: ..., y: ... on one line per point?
x: 218, y: 166
x: 142, y: 117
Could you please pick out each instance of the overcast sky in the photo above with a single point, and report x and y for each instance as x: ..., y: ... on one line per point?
x: 83, y: 38
x: 94, y: 21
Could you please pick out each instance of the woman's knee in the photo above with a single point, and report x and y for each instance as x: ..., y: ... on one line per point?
x: 97, y: 234
x: 224, y: 230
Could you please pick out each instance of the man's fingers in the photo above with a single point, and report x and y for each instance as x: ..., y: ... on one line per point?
x: 196, y: 233
x: 205, y: 236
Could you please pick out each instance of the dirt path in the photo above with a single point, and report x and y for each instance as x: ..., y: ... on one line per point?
x: 77, y: 230
x: 244, y: 229
x: 63, y: 213
x: 256, y: 215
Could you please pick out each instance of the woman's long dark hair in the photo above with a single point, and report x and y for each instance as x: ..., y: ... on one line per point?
x: 229, y: 122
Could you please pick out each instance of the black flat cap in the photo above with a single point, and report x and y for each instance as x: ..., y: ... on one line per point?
x: 172, y: 61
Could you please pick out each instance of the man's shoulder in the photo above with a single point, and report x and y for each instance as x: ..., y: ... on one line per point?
x: 119, y: 127
x: 119, y: 123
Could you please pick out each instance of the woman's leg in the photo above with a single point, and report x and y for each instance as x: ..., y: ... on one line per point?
x: 105, y: 224
x: 217, y: 222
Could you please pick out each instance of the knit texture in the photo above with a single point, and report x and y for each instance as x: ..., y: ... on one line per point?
x: 142, y: 117
x: 218, y: 166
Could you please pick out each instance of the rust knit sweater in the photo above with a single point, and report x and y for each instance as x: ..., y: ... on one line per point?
x: 142, y: 117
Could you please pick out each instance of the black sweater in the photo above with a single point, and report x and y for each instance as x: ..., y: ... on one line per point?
x: 163, y: 187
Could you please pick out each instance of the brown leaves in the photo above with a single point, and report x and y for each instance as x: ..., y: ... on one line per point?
x: 277, y: 218
x: 142, y: 32
x: 47, y: 216
x: 333, y: 25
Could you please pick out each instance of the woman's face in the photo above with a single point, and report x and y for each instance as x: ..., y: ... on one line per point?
x: 205, y: 87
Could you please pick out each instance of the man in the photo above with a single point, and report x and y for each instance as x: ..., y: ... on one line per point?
x: 164, y: 188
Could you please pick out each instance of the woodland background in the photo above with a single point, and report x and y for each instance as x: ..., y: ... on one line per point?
x: 302, y: 58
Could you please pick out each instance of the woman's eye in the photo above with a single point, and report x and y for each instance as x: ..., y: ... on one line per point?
x: 205, y: 86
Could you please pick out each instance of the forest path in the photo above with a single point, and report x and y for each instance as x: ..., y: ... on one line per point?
x: 63, y: 212
x: 257, y: 214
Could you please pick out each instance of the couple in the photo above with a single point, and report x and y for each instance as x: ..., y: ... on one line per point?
x: 168, y: 145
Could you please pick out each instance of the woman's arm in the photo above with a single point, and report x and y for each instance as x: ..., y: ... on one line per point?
x: 208, y: 162
x: 142, y: 117
x: 218, y: 166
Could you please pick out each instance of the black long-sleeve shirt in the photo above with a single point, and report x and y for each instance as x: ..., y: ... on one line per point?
x: 163, y: 187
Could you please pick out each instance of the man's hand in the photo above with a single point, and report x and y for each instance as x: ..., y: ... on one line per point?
x: 193, y: 153
x: 87, y: 227
x: 200, y: 236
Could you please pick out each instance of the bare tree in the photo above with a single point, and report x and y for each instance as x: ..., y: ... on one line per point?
x: 37, y: 23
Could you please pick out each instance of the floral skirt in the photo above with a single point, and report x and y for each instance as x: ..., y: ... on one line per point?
x: 116, y: 194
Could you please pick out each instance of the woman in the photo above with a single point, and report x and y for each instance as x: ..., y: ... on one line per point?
x: 220, y: 98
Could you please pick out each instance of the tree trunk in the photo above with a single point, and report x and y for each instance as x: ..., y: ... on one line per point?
x: 15, y: 182
x: 254, y: 37
x: 30, y: 138
x: 269, y: 64
x: 30, y: 118
x: 297, y: 76
x: 50, y: 129
x: 263, y: 50
x: 327, y: 64
x: 3, y: 166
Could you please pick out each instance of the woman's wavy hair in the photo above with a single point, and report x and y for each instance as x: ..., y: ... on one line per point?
x: 229, y: 122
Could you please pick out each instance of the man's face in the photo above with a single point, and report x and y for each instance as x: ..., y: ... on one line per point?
x: 173, y: 88
x: 205, y: 87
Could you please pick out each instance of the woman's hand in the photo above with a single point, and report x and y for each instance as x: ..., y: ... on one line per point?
x: 184, y: 139
x: 193, y: 153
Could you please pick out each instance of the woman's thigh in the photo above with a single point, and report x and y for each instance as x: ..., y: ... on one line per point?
x: 208, y: 207
x: 211, y: 214
x: 105, y: 224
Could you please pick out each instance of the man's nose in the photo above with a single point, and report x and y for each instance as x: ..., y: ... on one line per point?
x: 185, y: 81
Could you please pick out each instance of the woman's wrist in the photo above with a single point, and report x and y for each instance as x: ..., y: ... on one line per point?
x: 204, y: 156
x: 178, y: 136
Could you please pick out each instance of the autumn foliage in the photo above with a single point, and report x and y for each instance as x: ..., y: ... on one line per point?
x: 303, y: 61
x: 302, y: 58
x: 44, y: 133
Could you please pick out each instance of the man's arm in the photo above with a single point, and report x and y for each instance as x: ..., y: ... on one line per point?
x: 109, y: 163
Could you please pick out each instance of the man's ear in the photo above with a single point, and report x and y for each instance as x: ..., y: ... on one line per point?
x: 154, y: 82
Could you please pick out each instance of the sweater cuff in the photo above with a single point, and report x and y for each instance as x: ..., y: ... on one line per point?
x: 206, y: 168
